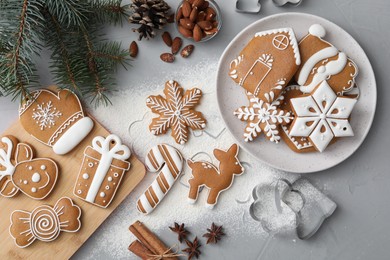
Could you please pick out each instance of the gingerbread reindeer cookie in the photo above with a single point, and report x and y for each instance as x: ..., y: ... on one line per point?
x: 19, y: 171
x: 217, y: 180
x: 45, y: 222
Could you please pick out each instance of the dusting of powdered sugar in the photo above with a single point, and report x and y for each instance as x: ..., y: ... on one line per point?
x: 129, y: 118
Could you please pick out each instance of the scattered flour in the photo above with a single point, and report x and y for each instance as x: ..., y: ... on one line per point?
x: 129, y: 118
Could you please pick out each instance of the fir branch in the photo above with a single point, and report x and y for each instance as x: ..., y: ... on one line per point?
x: 68, y: 12
x: 109, y: 11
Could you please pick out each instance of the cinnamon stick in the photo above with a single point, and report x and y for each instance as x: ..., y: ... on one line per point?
x: 140, y: 250
x: 150, y: 240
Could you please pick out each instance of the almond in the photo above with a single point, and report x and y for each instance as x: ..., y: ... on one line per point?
x: 186, y: 9
x: 194, y: 14
x: 167, y: 57
x: 215, y: 24
x: 205, y: 25
x: 179, y: 14
x: 204, y: 5
x: 176, y: 45
x: 187, y: 23
x: 187, y: 51
x: 212, y: 31
x: 197, y: 33
x: 197, y: 3
x: 201, y: 16
x: 210, y: 14
x: 166, y: 36
x: 190, y: 1
x: 185, y: 32
x: 133, y: 49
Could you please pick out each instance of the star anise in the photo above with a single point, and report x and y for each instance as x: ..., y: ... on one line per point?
x: 193, y: 248
x: 214, y: 234
x: 180, y: 230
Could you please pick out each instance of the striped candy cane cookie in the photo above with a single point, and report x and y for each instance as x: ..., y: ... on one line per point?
x: 169, y: 162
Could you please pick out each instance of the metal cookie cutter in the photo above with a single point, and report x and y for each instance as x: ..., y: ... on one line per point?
x: 284, y: 2
x: 248, y: 6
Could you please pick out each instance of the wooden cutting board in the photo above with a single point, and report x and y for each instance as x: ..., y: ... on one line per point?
x: 92, y: 216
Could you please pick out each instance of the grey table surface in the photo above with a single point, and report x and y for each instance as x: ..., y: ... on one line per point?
x: 359, y: 229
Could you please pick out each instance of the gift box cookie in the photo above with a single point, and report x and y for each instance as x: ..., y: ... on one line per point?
x: 267, y: 63
x: 55, y: 119
x: 102, y: 170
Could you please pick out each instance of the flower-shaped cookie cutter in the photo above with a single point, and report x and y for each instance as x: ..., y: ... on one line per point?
x: 287, y: 2
x: 296, y: 209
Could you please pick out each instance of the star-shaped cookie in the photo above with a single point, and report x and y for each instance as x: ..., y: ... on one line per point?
x: 176, y: 111
x: 263, y: 116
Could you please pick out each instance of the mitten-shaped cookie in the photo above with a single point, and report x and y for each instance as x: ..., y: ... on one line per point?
x: 55, y: 119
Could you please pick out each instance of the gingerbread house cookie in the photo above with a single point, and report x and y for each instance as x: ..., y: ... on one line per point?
x: 267, y: 63
x: 323, y: 61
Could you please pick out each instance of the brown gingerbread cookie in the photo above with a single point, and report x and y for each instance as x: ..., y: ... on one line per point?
x: 217, y: 180
x: 55, y: 119
x: 267, y: 63
x: 44, y: 223
x: 176, y: 111
x: 323, y: 61
x: 19, y: 170
x: 263, y: 117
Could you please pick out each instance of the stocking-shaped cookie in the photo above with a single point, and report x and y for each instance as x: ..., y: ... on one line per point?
x: 34, y: 177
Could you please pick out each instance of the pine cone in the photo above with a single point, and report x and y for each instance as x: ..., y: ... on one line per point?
x: 150, y: 14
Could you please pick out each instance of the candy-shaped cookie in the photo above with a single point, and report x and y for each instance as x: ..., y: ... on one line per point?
x: 217, y: 180
x: 19, y: 170
x: 323, y: 61
x: 102, y: 170
x: 176, y: 111
x: 44, y: 223
x: 263, y: 116
x: 168, y: 162
x: 322, y: 116
x: 267, y: 63
x: 55, y: 119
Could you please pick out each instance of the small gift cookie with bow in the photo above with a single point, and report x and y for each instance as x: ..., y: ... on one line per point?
x: 19, y: 171
x: 45, y: 222
x: 102, y: 169
x: 55, y: 119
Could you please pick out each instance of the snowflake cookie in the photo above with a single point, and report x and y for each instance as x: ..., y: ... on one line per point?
x: 263, y: 116
x: 176, y: 111
x: 321, y: 116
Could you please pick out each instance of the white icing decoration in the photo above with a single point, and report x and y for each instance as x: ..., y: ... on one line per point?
x: 46, y: 116
x: 116, y: 174
x: 30, y: 168
x: 33, y: 189
x: 102, y: 194
x: 264, y: 60
x: 107, y: 187
x: 90, y: 164
x: 233, y: 71
x: 317, y: 30
x: 293, y: 41
x: 280, y: 42
x: 161, y: 158
x: 73, y: 135
x: 85, y: 176
x: 43, y: 167
x: 312, y: 61
x: 293, y: 140
x: 25, y: 182
x: 326, y: 113
x: 79, y: 191
x: 36, y: 177
x: 5, y: 159
x: 324, y: 72
x: 263, y: 117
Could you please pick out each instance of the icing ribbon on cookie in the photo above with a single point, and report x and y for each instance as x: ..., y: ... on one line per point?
x: 110, y: 148
x: 169, y: 162
x: 45, y: 222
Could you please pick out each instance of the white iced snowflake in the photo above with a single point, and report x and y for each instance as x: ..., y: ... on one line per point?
x: 263, y: 117
x: 45, y: 116
x: 322, y: 116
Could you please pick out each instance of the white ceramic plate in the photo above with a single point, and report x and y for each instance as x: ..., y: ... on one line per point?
x: 231, y: 96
